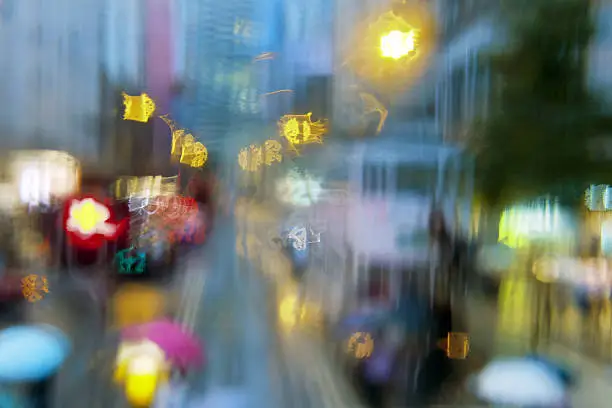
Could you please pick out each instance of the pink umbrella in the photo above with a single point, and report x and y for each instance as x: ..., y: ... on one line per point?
x: 181, y: 347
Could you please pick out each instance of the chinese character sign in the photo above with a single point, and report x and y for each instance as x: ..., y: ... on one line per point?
x: 301, y: 130
x: 361, y: 345
x: 33, y: 287
x: 138, y: 108
x: 178, y: 217
x: 184, y: 146
x: 251, y: 158
x: 130, y: 262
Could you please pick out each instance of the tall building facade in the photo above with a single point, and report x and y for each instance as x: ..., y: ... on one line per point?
x: 123, y: 71
x: 467, y: 29
x: 159, y: 70
x: 124, y: 41
x: 140, y: 40
x: 49, y: 88
x: 219, y: 85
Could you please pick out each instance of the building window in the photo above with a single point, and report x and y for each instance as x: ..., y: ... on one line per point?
x: 383, y: 179
x: 372, y: 181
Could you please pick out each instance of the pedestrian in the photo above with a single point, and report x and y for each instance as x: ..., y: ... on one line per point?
x: 441, y: 238
x: 374, y: 373
x: 437, y: 367
x: 438, y: 232
x: 172, y: 393
x: 41, y: 392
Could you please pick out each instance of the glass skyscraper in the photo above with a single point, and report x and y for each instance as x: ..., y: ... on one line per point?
x: 221, y: 41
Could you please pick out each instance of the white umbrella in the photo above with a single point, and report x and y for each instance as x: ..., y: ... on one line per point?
x: 519, y: 382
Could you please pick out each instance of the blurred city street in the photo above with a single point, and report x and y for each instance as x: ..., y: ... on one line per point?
x: 322, y: 204
x: 231, y: 292
x: 505, y: 327
x: 227, y: 301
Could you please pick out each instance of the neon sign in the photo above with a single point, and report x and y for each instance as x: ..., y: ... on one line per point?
x: 361, y: 345
x: 301, y: 130
x: 130, y: 263
x: 184, y: 147
x: 31, y: 288
x: 251, y: 158
x: 140, y: 108
x: 89, y: 223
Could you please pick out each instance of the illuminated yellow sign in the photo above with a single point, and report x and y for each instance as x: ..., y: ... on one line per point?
x: 184, y: 146
x: 361, y: 345
x: 150, y: 186
x: 272, y: 152
x: 31, y: 288
x: 300, y: 129
x: 138, y: 108
x: 193, y: 153
x: 199, y: 155
x: 456, y: 345
x: 251, y: 158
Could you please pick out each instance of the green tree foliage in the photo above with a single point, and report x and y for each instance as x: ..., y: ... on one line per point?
x: 536, y: 139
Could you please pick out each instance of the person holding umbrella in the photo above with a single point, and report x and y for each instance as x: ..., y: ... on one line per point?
x: 150, y: 354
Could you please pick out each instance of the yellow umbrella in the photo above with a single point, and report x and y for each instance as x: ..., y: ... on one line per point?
x: 137, y: 304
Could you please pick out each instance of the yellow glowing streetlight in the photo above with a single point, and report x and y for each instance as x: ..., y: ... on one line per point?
x: 392, y: 49
x: 397, y: 44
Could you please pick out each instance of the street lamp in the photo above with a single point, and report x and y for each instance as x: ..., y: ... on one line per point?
x: 397, y: 44
x: 390, y: 50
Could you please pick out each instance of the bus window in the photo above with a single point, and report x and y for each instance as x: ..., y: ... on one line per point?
x: 371, y: 183
x: 415, y: 178
x: 383, y: 179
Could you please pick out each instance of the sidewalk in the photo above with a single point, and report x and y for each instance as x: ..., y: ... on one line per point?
x: 503, y: 328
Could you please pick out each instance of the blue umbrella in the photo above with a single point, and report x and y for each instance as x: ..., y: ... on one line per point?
x: 31, y: 353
